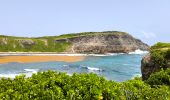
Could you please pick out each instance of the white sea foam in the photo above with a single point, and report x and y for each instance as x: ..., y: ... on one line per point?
x: 138, y: 51
x: 136, y: 75
x: 127, y: 64
x: 8, y: 75
x: 114, y: 54
x: 65, y: 54
x: 31, y: 70
x: 94, y: 69
x: 28, y: 73
x: 96, y: 55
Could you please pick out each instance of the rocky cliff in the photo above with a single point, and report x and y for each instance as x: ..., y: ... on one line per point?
x: 159, y: 58
x: 87, y: 42
x: 106, y: 42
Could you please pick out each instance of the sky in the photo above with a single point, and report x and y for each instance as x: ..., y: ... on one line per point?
x: 148, y: 20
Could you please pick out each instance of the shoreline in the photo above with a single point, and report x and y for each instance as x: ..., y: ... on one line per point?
x: 65, y: 53
x: 35, y: 58
x: 27, y: 57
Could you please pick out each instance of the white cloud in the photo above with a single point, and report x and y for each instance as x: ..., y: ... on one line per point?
x: 149, y: 35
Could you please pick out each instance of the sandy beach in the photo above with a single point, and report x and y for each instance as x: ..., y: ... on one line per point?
x: 39, y: 58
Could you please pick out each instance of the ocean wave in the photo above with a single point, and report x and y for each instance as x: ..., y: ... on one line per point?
x: 26, y: 72
x: 9, y: 75
x: 127, y: 64
x: 91, y: 68
x: 136, y: 75
x: 31, y: 70
x: 107, y: 54
x: 94, y: 69
x: 138, y: 51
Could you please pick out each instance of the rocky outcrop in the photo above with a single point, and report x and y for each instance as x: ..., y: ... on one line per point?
x: 148, y: 66
x: 27, y: 42
x: 86, y: 42
x: 105, y: 43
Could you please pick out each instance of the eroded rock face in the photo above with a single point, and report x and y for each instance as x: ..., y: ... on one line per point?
x: 3, y: 41
x: 105, y: 43
x: 148, y: 67
x: 27, y: 42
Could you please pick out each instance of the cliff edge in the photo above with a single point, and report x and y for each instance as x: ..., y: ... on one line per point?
x: 105, y: 42
x: 86, y: 42
x: 159, y: 58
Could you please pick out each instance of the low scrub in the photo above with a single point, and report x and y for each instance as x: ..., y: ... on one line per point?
x: 53, y: 85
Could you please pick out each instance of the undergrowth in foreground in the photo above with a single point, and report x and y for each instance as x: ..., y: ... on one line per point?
x: 53, y: 85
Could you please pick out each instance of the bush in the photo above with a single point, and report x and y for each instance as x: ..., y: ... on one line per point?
x: 160, y: 78
x: 52, y: 85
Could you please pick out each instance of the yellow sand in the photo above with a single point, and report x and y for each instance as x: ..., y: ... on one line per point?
x: 27, y: 59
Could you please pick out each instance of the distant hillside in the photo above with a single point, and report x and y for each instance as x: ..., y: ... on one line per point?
x: 86, y: 42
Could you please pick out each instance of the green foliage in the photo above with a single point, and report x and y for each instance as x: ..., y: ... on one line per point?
x: 167, y: 54
x: 160, y: 53
x: 160, y: 45
x: 13, y: 44
x: 83, y: 34
x: 52, y: 85
x: 159, y: 59
x: 160, y: 78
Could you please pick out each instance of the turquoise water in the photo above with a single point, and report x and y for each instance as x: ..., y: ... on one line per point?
x: 117, y: 67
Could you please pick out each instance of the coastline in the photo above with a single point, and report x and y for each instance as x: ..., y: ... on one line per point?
x: 27, y: 57
x: 65, y: 53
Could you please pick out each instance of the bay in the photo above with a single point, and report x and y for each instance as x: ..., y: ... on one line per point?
x: 119, y: 67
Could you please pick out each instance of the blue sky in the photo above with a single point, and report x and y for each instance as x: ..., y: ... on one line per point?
x: 148, y: 20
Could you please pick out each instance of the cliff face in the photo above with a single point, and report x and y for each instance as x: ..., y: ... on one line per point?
x: 87, y: 42
x: 148, y: 67
x: 105, y: 43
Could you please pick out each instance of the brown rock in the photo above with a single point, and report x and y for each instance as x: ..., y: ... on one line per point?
x: 148, y: 67
x: 105, y: 43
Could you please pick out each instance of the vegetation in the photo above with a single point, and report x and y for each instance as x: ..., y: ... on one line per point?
x: 52, y: 85
x: 161, y: 45
x: 160, y: 78
x: 160, y: 53
x: 83, y: 34
x: 14, y: 44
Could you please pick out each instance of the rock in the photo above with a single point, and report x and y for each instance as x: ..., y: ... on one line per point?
x: 148, y: 67
x: 105, y: 43
x: 3, y: 41
x: 27, y: 42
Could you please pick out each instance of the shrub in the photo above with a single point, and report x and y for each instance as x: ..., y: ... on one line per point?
x: 57, y: 86
x: 159, y: 78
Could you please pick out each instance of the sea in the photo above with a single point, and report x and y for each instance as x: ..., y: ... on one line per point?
x: 117, y: 67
